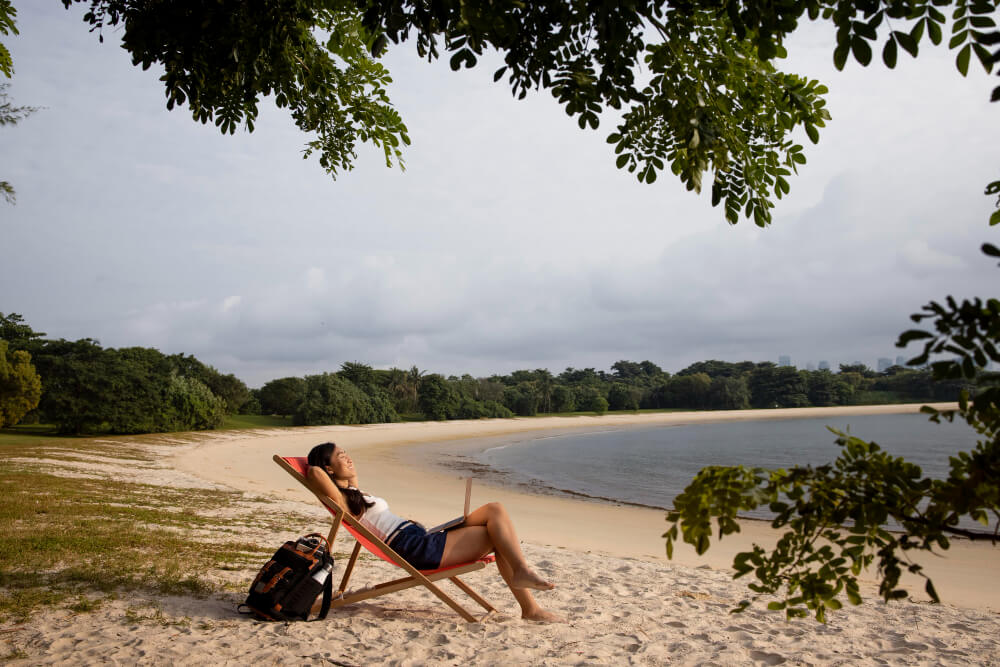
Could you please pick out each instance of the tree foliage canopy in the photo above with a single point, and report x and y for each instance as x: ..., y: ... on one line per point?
x: 221, y: 58
x: 10, y: 114
x: 20, y: 385
x: 330, y: 399
x: 713, y: 104
x: 281, y: 396
x: 91, y: 389
x: 86, y: 388
x: 14, y: 330
x: 8, y: 26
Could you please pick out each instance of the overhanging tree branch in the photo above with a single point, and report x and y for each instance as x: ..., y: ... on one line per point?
x: 870, y: 487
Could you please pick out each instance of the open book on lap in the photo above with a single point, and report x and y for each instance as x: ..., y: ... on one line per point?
x: 457, y: 521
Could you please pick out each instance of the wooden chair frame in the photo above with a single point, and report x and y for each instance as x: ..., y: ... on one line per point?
x: 370, y: 541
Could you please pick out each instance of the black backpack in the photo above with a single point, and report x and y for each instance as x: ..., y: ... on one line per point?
x: 287, y: 586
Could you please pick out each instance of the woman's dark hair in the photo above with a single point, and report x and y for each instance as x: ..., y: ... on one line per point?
x: 320, y: 456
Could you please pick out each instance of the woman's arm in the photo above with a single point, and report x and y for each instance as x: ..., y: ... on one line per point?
x: 321, y: 483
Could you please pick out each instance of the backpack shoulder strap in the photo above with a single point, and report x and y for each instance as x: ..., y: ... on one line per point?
x: 327, y: 597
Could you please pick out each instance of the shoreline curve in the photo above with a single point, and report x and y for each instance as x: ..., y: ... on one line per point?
x: 967, y: 575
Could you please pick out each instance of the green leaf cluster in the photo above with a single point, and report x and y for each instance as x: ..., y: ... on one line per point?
x: 8, y: 26
x: 9, y: 114
x: 992, y: 189
x: 438, y: 399
x: 281, y: 396
x: 330, y: 399
x: 220, y: 58
x: 86, y: 388
x: 20, y: 385
x: 715, y: 103
x: 90, y: 389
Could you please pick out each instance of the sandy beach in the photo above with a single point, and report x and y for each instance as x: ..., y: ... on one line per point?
x: 625, y: 602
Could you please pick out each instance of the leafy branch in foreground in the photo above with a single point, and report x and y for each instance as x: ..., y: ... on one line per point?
x: 993, y: 189
x: 715, y: 102
x: 9, y: 114
x: 8, y: 26
x: 835, y: 515
x: 221, y: 58
x: 715, y: 110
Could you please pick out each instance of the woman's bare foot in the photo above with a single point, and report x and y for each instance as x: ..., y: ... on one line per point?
x: 542, y: 616
x: 525, y: 578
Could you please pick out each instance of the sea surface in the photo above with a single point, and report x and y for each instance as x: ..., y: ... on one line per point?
x: 649, y: 466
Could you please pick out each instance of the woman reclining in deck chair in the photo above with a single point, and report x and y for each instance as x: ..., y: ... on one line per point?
x: 487, y: 529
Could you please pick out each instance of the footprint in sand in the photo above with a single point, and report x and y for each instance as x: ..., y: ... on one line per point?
x: 767, y: 658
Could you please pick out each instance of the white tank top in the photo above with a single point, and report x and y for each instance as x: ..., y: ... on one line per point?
x: 379, y: 519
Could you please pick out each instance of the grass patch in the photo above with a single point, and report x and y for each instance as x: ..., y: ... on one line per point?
x: 86, y: 604
x: 34, y: 440
x: 67, y: 541
x: 136, y: 616
x: 591, y: 413
x: 882, y: 398
x: 36, y: 434
x: 30, y: 434
x: 235, y: 422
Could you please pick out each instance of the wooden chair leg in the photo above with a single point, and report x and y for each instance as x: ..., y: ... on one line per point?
x: 472, y: 594
x: 333, y: 531
x: 350, y: 568
x: 411, y: 582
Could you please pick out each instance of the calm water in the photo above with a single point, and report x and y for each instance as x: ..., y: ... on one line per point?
x: 651, y: 465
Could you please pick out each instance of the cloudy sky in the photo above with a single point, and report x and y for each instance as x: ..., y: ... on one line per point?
x: 510, y: 241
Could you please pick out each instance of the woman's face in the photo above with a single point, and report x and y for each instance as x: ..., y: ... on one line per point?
x: 341, y: 464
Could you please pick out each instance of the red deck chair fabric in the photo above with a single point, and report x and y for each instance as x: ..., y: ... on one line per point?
x: 301, y: 465
x: 298, y: 467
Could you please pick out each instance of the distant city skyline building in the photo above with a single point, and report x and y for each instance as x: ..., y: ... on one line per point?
x: 881, y: 364
x: 784, y: 360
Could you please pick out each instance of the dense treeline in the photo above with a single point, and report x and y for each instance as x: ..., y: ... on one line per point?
x: 86, y: 388
x: 358, y: 393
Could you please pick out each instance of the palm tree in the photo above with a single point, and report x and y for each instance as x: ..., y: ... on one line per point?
x: 413, y: 378
x: 399, y: 388
x: 545, y: 383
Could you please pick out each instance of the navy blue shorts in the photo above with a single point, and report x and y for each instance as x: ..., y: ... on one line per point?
x: 420, y: 550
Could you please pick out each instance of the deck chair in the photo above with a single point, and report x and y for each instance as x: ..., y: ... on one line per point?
x: 297, y: 467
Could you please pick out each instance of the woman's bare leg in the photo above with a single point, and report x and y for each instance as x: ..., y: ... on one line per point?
x: 530, y: 609
x: 463, y: 545
x: 487, y: 529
